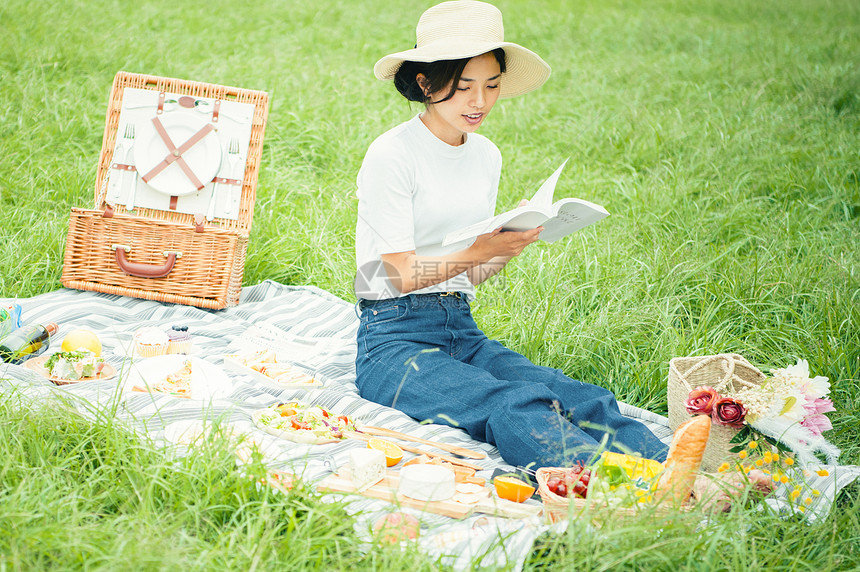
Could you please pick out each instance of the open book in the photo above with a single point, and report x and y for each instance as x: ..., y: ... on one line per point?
x: 558, y: 218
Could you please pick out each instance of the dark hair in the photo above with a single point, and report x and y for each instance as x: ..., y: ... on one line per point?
x: 439, y: 74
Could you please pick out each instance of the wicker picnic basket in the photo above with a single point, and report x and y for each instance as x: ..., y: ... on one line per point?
x: 165, y: 254
x: 726, y: 373
x: 557, y: 508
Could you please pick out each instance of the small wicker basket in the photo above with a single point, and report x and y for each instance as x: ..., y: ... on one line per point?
x: 557, y: 508
x: 726, y: 373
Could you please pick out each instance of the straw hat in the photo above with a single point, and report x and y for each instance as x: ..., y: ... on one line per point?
x: 463, y: 29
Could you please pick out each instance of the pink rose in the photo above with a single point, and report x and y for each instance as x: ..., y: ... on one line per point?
x: 701, y: 400
x: 729, y: 412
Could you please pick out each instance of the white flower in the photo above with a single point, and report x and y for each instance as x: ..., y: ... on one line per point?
x: 789, y: 404
x: 818, y: 386
x: 800, y: 369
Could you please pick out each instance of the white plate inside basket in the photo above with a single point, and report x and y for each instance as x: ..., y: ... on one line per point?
x: 237, y: 367
x: 204, y: 158
x: 208, y: 381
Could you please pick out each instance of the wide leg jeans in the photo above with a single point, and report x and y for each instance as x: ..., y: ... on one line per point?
x: 425, y: 355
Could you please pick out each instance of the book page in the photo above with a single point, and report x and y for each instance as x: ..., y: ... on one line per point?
x: 543, y: 197
x: 571, y: 215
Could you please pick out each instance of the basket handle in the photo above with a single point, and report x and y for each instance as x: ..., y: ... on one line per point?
x: 727, y: 365
x: 144, y: 270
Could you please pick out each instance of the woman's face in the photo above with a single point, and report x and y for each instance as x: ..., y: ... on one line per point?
x: 477, y: 92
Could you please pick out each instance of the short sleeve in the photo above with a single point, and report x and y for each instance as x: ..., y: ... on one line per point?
x: 385, y: 190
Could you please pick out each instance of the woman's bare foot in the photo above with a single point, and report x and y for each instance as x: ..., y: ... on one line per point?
x: 717, y: 491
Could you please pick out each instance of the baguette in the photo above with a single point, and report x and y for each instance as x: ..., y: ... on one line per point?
x: 682, y: 463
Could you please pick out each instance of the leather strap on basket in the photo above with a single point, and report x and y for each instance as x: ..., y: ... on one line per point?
x: 174, y: 154
x: 144, y: 270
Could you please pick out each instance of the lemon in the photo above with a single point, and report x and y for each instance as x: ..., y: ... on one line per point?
x: 82, y: 339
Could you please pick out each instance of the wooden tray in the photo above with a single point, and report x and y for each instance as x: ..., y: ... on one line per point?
x: 387, y: 490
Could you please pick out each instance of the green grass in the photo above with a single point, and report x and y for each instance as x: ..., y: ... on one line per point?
x: 722, y: 137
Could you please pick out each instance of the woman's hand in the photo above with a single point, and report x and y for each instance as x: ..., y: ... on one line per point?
x: 503, y: 243
x: 484, y: 258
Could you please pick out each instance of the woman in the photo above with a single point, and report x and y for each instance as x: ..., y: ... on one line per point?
x: 419, y: 349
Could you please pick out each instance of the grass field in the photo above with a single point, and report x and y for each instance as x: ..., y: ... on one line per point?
x: 724, y: 138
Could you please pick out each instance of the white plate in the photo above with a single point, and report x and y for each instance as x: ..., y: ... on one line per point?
x: 204, y: 158
x: 208, y: 381
x: 237, y: 367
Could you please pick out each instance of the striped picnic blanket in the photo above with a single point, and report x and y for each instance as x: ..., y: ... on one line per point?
x: 317, y: 329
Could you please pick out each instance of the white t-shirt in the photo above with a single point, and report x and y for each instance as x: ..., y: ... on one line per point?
x: 413, y: 189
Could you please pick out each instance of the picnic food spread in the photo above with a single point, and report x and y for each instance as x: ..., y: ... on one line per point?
x: 393, y: 454
x: 302, y: 423
x: 512, y: 488
x: 366, y: 467
x: 151, y: 342
x: 397, y: 526
x: 265, y: 363
x: 82, y: 339
x: 75, y: 364
x: 178, y: 340
x: 443, y: 483
x: 427, y: 482
x: 685, y: 457
x: 177, y: 383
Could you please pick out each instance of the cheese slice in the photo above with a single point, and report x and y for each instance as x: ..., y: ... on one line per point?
x: 367, y: 467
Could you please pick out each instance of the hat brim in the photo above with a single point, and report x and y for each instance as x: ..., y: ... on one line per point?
x: 525, y: 70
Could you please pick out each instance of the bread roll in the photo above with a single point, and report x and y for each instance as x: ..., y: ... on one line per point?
x: 685, y: 457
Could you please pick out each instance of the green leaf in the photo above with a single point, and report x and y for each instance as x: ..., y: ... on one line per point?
x: 742, y: 435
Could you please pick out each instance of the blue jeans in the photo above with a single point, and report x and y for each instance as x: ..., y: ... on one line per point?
x: 424, y: 355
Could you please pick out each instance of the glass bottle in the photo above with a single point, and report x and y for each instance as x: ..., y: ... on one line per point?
x: 26, y: 342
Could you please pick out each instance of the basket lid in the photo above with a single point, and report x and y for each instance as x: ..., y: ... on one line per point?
x: 193, y: 149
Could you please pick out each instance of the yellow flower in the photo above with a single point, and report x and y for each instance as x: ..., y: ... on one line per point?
x: 783, y: 479
x: 742, y: 454
x: 801, y: 508
x: 815, y: 492
x: 789, y: 461
x: 759, y: 463
x: 723, y: 468
x: 775, y: 478
x: 776, y: 457
x: 822, y: 472
x: 808, y: 500
x: 752, y: 445
x: 794, y: 494
x: 768, y: 457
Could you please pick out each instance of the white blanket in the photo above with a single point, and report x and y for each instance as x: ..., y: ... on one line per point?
x: 318, y: 329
